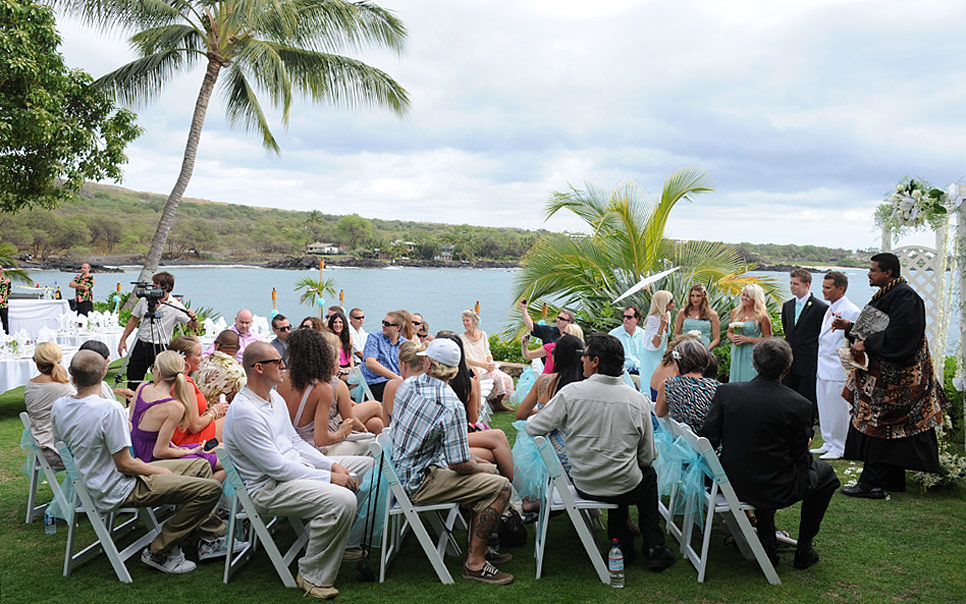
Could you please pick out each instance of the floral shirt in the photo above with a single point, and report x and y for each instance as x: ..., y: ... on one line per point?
x: 4, y: 291
x: 220, y: 374
x: 85, y: 295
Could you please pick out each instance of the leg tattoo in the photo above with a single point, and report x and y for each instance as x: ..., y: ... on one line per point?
x: 487, y: 521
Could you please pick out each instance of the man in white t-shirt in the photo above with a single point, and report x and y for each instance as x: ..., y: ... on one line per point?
x: 96, y: 432
x: 150, y: 339
x: 359, y: 335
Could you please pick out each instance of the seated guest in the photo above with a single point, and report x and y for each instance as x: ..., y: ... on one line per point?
x: 369, y: 413
x: 331, y: 311
x: 687, y: 395
x: 205, y: 420
x: 281, y: 327
x: 219, y: 373
x: 666, y: 368
x: 285, y: 475
x: 382, y: 353
x: 408, y: 330
x: 433, y: 459
x: 105, y: 352
x: 243, y: 329
x: 357, y: 319
x: 422, y: 328
x: 410, y: 365
x: 96, y: 431
x: 488, y: 444
x: 340, y: 327
x: 567, y: 368
x: 476, y: 345
x: 546, y: 351
x: 631, y: 336
x: 764, y: 449
x: 315, y: 409
x: 41, y: 392
x: 162, y: 407
x: 312, y: 323
x: 612, y: 455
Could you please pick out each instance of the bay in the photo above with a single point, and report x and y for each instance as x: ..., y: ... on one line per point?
x: 439, y: 294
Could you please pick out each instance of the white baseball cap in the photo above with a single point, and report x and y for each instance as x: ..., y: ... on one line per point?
x: 444, y: 350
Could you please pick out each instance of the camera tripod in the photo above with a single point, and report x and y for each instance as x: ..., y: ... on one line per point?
x: 157, y: 339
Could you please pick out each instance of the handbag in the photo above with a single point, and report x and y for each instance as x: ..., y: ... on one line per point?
x: 512, y: 531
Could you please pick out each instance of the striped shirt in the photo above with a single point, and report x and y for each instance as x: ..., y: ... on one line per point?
x: 428, y: 429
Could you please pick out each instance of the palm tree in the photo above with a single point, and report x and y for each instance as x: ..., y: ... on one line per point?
x: 626, y: 243
x: 313, y: 290
x: 7, y: 252
x: 269, y: 46
x: 314, y: 219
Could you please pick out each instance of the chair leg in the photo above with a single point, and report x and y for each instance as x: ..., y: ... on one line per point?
x: 589, y: 545
x: 752, y: 538
x: 428, y: 547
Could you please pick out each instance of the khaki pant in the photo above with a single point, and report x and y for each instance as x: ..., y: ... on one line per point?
x: 330, y: 510
x: 189, y: 487
x: 443, y: 485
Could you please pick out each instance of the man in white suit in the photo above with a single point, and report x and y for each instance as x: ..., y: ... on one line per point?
x: 833, y: 410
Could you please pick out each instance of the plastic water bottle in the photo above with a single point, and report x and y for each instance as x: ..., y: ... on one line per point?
x: 615, y: 564
x: 50, y: 524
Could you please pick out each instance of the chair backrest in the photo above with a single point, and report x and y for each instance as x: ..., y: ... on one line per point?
x: 75, y: 478
x: 233, y: 477
x: 25, y: 420
x: 549, y: 457
x: 380, y: 450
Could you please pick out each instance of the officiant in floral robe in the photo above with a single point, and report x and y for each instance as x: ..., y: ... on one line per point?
x: 896, y: 403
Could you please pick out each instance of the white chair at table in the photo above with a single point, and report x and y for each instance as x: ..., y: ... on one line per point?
x: 243, y: 508
x: 103, y: 524
x: 401, y: 515
x: 721, y: 499
x: 560, y: 494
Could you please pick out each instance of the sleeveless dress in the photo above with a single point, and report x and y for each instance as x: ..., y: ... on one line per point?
x: 652, y: 358
x: 143, y: 441
x: 702, y: 325
x: 742, y: 369
x: 307, y: 432
x: 183, y: 437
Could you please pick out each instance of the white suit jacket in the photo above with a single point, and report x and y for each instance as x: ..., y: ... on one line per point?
x: 829, y: 366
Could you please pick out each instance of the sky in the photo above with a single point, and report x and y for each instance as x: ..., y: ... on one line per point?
x: 804, y: 113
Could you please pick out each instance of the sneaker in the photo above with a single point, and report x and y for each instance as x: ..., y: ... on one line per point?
x: 218, y: 548
x: 659, y: 558
x: 489, y: 574
x: 494, y: 556
x: 316, y: 591
x: 172, y: 562
x: 830, y: 455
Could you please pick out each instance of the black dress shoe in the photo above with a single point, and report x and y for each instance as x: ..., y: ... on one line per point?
x: 864, y: 491
x: 805, y: 559
x: 659, y: 558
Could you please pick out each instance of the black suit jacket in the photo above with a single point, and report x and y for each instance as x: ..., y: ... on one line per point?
x: 764, y: 428
x: 803, y: 337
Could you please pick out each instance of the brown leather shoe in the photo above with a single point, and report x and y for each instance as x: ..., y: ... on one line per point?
x: 316, y: 591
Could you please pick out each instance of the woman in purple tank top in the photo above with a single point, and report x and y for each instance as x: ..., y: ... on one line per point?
x: 156, y: 414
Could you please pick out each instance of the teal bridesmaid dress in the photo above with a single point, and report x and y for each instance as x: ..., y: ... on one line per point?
x: 742, y: 369
x: 702, y: 325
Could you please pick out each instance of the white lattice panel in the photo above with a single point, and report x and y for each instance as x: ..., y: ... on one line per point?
x: 922, y: 268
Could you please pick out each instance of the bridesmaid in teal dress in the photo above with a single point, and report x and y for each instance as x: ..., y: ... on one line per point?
x: 755, y: 326
x: 699, y: 316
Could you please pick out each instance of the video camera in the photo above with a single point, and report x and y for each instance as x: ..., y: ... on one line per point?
x: 150, y: 292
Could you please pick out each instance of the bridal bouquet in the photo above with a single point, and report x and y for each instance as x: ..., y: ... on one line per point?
x: 736, y: 326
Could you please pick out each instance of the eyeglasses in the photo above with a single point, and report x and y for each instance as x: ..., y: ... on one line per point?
x: 358, y: 318
x: 284, y: 328
x: 388, y: 324
x: 417, y: 322
x: 267, y: 362
x: 630, y: 316
x: 564, y: 319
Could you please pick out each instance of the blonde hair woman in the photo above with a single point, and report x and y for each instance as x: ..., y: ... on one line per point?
x: 656, y: 330
x: 476, y: 347
x: 40, y: 393
x: 410, y: 364
x: 160, y: 408
x: 699, y: 316
x: 749, y: 325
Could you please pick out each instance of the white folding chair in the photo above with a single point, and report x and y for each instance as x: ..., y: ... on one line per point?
x: 401, y: 515
x: 362, y: 392
x: 38, y: 464
x: 667, y: 511
x: 243, y: 508
x: 106, y: 531
x: 722, y: 499
x: 559, y: 494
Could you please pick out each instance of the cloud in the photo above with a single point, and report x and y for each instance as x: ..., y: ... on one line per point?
x: 804, y: 112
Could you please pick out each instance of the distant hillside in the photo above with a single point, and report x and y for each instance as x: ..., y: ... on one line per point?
x: 113, y: 221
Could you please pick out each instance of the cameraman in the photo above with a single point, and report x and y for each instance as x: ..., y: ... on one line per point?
x: 149, y: 341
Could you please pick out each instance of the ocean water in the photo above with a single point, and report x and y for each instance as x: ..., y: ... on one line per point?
x: 439, y: 294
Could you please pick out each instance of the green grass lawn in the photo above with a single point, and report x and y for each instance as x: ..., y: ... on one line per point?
x: 908, y: 548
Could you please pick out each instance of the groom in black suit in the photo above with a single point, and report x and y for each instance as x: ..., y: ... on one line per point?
x: 802, y: 321
x: 765, y: 429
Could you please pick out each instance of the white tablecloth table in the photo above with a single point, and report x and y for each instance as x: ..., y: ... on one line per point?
x: 31, y: 315
x: 17, y: 371
x: 111, y: 338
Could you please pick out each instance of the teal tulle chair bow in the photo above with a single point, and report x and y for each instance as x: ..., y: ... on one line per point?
x: 529, y: 472
x: 679, y: 465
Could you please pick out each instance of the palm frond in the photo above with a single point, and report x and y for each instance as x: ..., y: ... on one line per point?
x: 158, y: 39
x: 114, y: 15
x: 142, y: 80
x: 263, y: 64
x: 242, y: 107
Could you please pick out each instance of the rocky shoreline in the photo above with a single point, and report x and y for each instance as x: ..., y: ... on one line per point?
x: 304, y: 262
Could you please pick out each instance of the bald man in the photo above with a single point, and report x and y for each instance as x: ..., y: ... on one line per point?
x: 242, y: 327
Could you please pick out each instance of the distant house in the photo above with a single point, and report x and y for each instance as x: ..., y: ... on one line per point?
x: 319, y: 249
x: 446, y: 252
x: 407, y: 245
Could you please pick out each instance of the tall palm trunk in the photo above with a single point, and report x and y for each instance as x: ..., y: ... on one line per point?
x: 187, y: 167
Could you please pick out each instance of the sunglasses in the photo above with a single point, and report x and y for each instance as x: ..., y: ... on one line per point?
x: 266, y: 362
x: 358, y: 318
x: 417, y: 322
x: 388, y: 324
x: 630, y: 316
x: 564, y: 319
x: 284, y: 328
